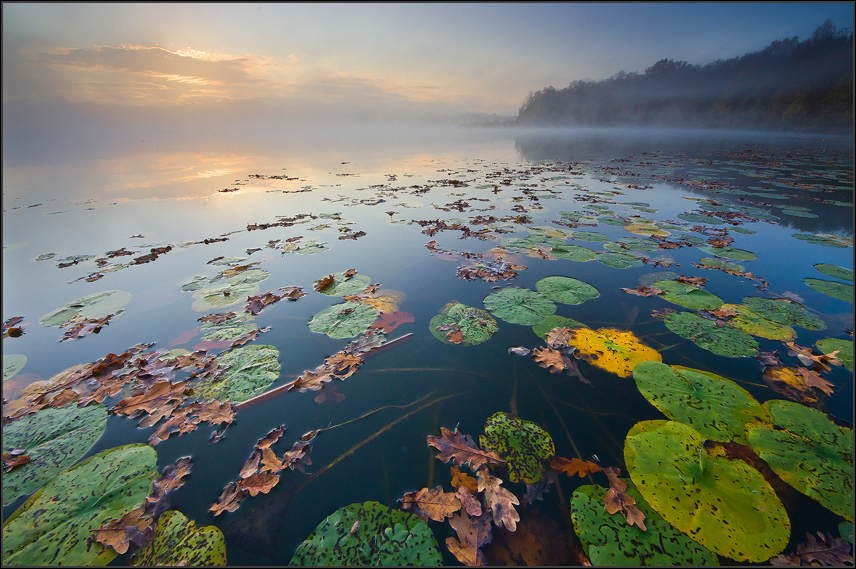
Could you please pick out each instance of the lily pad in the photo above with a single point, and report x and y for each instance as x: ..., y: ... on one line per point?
x: 249, y: 371
x: 384, y: 300
x: 310, y: 247
x: 574, y: 253
x: 222, y: 295
x: 523, y: 445
x: 475, y: 325
x: 688, y: 296
x: 381, y: 537
x: 541, y: 330
x: 825, y: 239
x: 784, y: 311
x: 342, y: 285
x: 12, y: 364
x: 519, y: 306
x: 194, y: 283
x: 720, y: 264
x: 177, y: 541
x: 729, y: 253
x: 646, y: 229
x: 231, y: 329
x: 699, y: 218
x: 842, y: 273
x: 841, y: 291
x: 844, y: 347
x: 723, y: 504
x: 714, y: 406
x: 589, y: 236
x: 619, y: 260
x: 751, y: 323
x: 723, y: 341
x: 97, y: 305
x: 566, y: 290
x: 51, y: 527
x: 344, y: 320
x: 54, y: 439
x: 608, y: 540
x: 616, y: 351
x: 809, y: 452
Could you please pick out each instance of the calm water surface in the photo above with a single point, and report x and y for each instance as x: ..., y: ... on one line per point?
x: 381, y: 182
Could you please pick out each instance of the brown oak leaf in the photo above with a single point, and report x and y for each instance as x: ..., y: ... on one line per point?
x: 161, y: 393
x: 463, y: 479
x: 643, y: 290
x: 11, y: 461
x: 558, y: 337
x: 499, y: 501
x: 230, y: 499
x: 252, y: 465
x: 554, y: 360
x: 812, y: 379
x: 270, y: 438
x: 215, y: 412
x: 473, y: 532
x: 323, y: 283
x: 617, y: 499
x: 828, y: 551
x: 574, y: 466
x: 270, y: 462
x: 292, y: 293
x: 461, y: 448
x: 260, y: 482
x: 434, y: 504
x: 134, y: 526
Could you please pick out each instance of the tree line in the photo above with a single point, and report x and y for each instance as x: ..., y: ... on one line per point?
x: 789, y: 85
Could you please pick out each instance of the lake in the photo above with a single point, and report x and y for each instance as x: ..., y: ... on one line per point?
x: 186, y: 225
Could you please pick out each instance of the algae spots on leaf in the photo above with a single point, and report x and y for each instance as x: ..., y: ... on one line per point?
x: 616, y: 351
x: 461, y: 324
x: 523, y: 445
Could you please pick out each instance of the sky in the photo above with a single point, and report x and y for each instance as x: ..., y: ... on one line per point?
x: 310, y: 59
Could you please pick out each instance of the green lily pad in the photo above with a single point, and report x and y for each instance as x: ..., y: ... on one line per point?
x: 382, y: 537
x: 841, y: 291
x: 714, y: 406
x: 686, y: 295
x: 566, y: 290
x: 729, y: 253
x: 194, y: 283
x: 344, y: 320
x: 751, y: 323
x: 698, y: 218
x: 723, y: 341
x: 523, y: 445
x: 842, y: 273
x: 51, y: 527
x: 97, y: 305
x: 574, y: 253
x: 342, y: 285
x: 222, y: 295
x: 228, y: 261
x: 649, y: 279
x: 544, y: 239
x: 249, y: 372
x: 310, y: 247
x: 589, y: 236
x: 844, y: 347
x: 784, y: 312
x: 247, y: 277
x: 54, y: 439
x: 639, y: 244
x: 825, y: 239
x: 614, y: 221
x: 845, y: 530
x: 475, y: 325
x: 619, y: 260
x: 519, y: 305
x: 546, y: 326
x: 616, y: 351
x: 177, y: 541
x: 231, y: 329
x: 808, y: 451
x: 798, y: 212
x: 12, y: 364
x: 724, y: 265
x: 608, y: 540
x: 723, y: 504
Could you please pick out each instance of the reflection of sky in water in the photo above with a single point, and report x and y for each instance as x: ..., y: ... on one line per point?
x: 172, y: 196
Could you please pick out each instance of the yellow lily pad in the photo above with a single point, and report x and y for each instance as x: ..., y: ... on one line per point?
x: 616, y: 351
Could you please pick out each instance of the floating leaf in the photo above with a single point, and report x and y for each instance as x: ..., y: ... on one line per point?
x: 646, y: 229
x: 616, y: 351
x: 784, y: 311
x: 714, y: 263
x: 699, y: 218
x: 310, y: 247
x: 343, y: 284
x: 573, y: 253
x: 519, y: 306
x: 790, y: 383
x: 498, y: 500
x: 474, y: 325
x: 344, y: 320
x: 729, y: 253
x: 619, y: 260
x: 249, y: 370
x: 809, y: 452
x: 51, y: 527
x: 553, y: 321
x: 97, y: 305
x: 473, y: 533
x: 431, y: 504
x: 723, y: 504
x: 177, y: 541
x: 688, y: 296
x: 714, y: 406
x: 574, y: 466
x: 844, y: 347
x: 842, y: 273
x: 721, y: 340
x: 566, y: 290
x: 222, y: 295
x: 830, y: 551
x: 825, y: 239
x: 12, y: 364
x: 841, y: 291
x: 523, y: 445
x: 461, y: 449
x: 745, y: 319
x: 54, y: 439
x: 382, y: 537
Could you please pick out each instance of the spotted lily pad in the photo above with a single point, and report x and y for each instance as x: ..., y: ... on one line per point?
x: 249, y: 372
x: 729, y: 253
x: 714, y: 406
x: 751, y: 323
x: 616, y: 351
x: 97, y: 305
x: 51, y: 527
x: 523, y: 445
x: 342, y: 285
x: 344, y: 320
x: 721, y: 340
x: 541, y: 330
x: 842, y: 273
x: 723, y: 504
x: 686, y: 295
x: 519, y: 305
x: 380, y: 536
x: 573, y: 253
x: 475, y: 325
x: 844, y: 347
x: 566, y: 290
x: 177, y: 541
x: 784, y: 311
x: 12, y: 364
x: 808, y: 451
x: 608, y: 540
x: 619, y: 260
x: 841, y: 291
